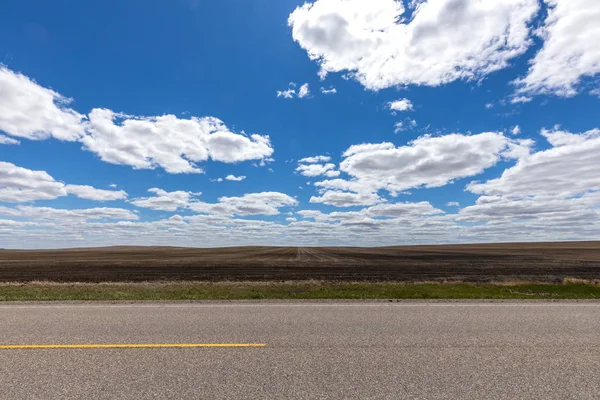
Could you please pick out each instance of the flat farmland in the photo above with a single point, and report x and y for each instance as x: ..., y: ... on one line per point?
x: 543, y: 262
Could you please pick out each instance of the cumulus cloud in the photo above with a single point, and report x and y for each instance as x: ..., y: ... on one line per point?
x: 553, y: 190
x: 399, y: 127
x: 18, y: 185
x: 265, y: 203
x: 380, y: 48
x: 30, y: 111
x: 405, y: 125
x: 7, y: 140
x: 381, y: 224
x: 516, y: 130
x: 425, y: 162
x: 569, y: 168
x: 68, y: 215
x: 331, y: 90
x: 169, y: 142
x: 453, y: 204
x: 401, y: 105
x: 574, y: 214
x: 315, y: 159
x: 371, y: 214
x: 91, y: 193
x: 317, y: 170
x: 165, y: 201
x: 570, y: 51
x: 520, y: 99
x: 235, y: 178
x: 346, y: 199
x: 286, y: 94
x: 302, y: 92
x: 402, y: 209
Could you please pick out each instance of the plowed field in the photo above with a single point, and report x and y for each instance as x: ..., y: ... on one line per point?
x: 477, y: 263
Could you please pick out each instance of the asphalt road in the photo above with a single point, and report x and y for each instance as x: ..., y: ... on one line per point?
x: 312, y: 351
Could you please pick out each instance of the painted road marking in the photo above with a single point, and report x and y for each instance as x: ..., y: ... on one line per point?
x: 128, y: 346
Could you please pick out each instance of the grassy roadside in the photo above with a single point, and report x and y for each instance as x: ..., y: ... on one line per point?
x: 42, y: 291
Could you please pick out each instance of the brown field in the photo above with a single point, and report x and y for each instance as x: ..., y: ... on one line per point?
x: 545, y: 262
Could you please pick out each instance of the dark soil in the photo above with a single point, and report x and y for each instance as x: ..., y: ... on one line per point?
x: 543, y: 262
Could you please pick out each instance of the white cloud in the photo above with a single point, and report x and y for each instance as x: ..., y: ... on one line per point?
x: 570, y: 52
x: 264, y: 161
x: 303, y: 91
x: 405, y: 125
x: 18, y: 185
x: 381, y: 224
x: 169, y: 142
x: 30, y: 111
x: 401, y: 105
x: 315, y: 159
x: 402, y: 209
x: 415, y: 3
x: 68, y: 215
x: 552, y: 193
x: 425, y: 162
x: 265, y: 203
x: 520, y: 99
x: 399, y: 127
x: 290, y: 93
x: 235, y: 178
x: 317, y: 170
x: 516, y: 130
x: 367, y: 148
x: 453, y: 204
x: 286, y: 94
x: 345, y: 185
x: 518, y: 148
x: 489, y: 105
x: 569, y: 168
x: 535, y: 211
x: 389, y: 211
x: 7, y: 140
x: 346, y: 199
x: 331, y: 90
x: 91, y: 193
x: 165, y: 201
x: 372, y: 41
x: 113, y: 185
x: 216, y: 180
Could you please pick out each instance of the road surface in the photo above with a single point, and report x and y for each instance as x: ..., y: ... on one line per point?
x: 327, y: 350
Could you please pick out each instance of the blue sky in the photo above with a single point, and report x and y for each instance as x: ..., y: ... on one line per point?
x: 451, y: 121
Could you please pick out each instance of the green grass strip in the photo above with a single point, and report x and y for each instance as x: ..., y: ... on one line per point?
x: 293, y: 290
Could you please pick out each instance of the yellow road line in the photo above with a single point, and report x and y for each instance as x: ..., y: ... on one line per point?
x: 128, y: 346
